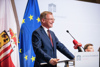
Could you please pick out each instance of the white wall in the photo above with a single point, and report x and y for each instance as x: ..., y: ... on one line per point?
x: 82, y: 19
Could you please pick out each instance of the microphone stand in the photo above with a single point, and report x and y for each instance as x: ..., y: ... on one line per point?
x: 79, y: 48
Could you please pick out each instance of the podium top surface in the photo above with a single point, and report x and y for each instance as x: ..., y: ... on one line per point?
x: 59, y: 61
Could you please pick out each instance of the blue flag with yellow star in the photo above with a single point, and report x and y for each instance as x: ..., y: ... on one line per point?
x: 31, y: 22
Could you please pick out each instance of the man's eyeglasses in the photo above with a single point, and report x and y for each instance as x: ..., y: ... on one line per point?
x: 50, y: 19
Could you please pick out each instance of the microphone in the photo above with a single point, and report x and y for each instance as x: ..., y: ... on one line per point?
x: 75, y: 42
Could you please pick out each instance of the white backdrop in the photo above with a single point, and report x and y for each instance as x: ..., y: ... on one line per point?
x: 82, y: 19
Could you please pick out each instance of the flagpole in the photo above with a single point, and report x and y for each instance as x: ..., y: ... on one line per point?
x: 16, y: 17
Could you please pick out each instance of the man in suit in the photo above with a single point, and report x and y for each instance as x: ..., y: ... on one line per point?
x: 45, y: 43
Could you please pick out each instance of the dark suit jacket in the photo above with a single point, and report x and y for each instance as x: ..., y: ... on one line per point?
x: 43, y: 48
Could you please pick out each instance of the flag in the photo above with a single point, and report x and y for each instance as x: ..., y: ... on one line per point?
x: 31, y: 22
x: 9, y: 54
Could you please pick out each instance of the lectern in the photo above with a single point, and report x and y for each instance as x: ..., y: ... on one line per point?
x: 87, y: 59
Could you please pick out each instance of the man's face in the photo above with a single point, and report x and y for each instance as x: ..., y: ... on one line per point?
x: 90, y: 49
x: 48, y: 21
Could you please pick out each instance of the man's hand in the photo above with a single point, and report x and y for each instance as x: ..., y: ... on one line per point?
x: 53, y: 61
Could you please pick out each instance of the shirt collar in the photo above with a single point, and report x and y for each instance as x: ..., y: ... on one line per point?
x: 45, y: 29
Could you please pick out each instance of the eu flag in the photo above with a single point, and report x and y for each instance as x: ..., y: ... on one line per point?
x: 31, y: 22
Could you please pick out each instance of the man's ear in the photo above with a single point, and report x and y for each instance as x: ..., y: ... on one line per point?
x: 43, y: 20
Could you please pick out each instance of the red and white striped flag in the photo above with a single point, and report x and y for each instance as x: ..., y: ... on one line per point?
x: 9, y: 55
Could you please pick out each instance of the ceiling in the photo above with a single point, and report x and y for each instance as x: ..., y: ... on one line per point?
x: 93, y: 1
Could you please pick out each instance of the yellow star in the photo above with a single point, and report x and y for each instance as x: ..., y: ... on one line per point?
x: 31, y: 17
x: 38, y: 19
x: 23, y: 21
x: 26, y: 57
x: 20, y: 51
x: 33, y: 58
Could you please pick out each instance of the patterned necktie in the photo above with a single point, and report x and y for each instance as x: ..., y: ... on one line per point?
x: 50, y: 37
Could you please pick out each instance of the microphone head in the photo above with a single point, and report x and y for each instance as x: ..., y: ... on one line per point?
x: 67, y: 31
x: 75, y: 42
